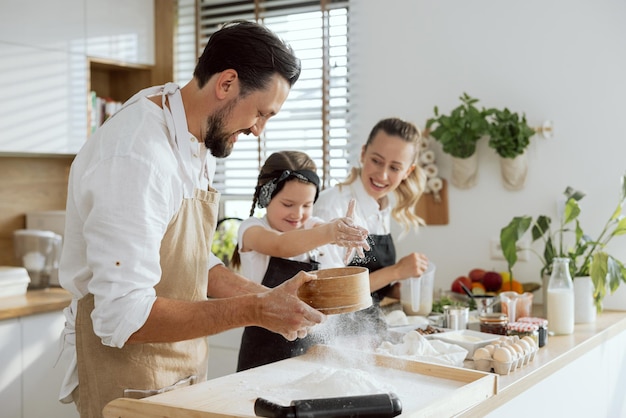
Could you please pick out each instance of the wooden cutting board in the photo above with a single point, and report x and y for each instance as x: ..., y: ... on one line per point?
x: 425, y: 389
x: 432, y: 209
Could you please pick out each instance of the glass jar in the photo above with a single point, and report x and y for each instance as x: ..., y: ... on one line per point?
x: 542, y: 331
x: 493, y: 323
x: 561, y: 298
x: 523, y: 329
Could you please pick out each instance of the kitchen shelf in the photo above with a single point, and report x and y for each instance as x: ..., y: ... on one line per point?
x: 118, y: 80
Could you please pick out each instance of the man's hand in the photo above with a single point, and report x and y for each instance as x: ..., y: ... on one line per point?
x: 281, y: 310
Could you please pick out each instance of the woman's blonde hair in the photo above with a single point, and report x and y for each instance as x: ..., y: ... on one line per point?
x: 279, y: 168
x: 410, y: 189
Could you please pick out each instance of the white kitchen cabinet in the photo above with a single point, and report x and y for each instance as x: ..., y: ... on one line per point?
x: 224, y: 352
x: 590, y: 386
x: 121, y: 30
x: 44, y: 104
x: 30, y: 377
x: 10, y: 368
x: 45, y: 25
x: 44, y: 65
x: 41, y: 375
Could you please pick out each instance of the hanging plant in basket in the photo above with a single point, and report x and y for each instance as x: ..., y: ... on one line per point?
x: 509, y: 136
x: 458, y: 133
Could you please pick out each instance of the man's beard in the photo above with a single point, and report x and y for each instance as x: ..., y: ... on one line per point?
x: 216, y: 138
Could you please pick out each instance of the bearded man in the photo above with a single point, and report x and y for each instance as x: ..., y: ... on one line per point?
x: 140, y: 220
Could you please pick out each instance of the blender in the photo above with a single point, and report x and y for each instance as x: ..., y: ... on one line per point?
x: 39, y: 252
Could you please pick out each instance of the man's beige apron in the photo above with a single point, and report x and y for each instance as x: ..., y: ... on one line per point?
x: 138, y: 370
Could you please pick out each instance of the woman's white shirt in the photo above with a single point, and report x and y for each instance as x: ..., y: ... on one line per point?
x: 333, y: 203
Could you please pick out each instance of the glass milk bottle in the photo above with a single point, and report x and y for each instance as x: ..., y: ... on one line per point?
x: 561, y: 298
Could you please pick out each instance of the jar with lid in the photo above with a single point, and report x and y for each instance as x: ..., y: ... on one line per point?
x: 542, y: 330
x: 493, y: 323
x: 561, y: 298
x: 523, y: 329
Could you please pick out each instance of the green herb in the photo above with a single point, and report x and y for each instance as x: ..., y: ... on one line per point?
x: 445, y: 300
x: 509, y: 134
x: 459, y: 131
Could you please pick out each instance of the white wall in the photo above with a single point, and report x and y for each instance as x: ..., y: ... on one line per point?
x: 562, y: 61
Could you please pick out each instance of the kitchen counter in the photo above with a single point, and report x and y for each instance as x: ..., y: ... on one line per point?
x: 603, y: 343
x: 560, y: 351
x: 34, y: 302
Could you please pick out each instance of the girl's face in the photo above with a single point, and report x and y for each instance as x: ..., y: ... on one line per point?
x: 385, y: 162
x: 292, y: 206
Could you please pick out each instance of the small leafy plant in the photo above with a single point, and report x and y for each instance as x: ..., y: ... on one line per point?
x: 588, y: 256
x: 225, y: 238
x: 509, y: 134
x: 460, y: 131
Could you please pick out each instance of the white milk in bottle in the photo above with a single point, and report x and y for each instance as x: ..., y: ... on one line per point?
x: 561, y: 298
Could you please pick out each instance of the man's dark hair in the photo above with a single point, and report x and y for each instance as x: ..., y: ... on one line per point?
x: 255, y: 52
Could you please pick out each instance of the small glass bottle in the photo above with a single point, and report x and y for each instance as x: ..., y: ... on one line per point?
x: 493, y: 323
x: 561, y: 298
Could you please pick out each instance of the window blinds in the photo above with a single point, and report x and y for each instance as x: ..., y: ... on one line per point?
x: 314, y: 119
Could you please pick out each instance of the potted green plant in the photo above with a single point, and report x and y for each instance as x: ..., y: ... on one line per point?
x: 509, y: 136
x: 225, y: 239
x: 588, y: 256
x: 458, y: 133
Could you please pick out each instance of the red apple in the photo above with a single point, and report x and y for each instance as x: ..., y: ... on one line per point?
x: 456, y: 284
x: 476, y: 275
x: 492, y: 281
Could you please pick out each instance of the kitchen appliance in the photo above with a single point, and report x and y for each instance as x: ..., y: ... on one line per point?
x: 384, y: 405
x: 47, y: 220
x: 39, y: 252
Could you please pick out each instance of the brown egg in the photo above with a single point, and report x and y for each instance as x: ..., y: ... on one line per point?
x: 490, y: 348
x: 482, y: 354
x: 530, y: 341
x: 525, y: 345
x: 519, y: 349
x: 503, y: 355
x: 514, y: 354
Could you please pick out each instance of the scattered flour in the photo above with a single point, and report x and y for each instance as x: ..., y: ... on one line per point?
x: 328, y: 382
x: 415, y: 346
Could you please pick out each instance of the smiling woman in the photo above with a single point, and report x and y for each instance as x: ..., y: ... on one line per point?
x: 388, y: 167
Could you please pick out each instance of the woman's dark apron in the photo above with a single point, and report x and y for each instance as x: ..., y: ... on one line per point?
x: 260, y: 346
x: 371, y: 321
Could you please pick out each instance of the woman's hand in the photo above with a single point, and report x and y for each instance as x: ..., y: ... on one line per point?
x: 412, y: 265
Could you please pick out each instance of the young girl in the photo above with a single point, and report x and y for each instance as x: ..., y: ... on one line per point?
x: 274, y: 248
x: 388, y: 166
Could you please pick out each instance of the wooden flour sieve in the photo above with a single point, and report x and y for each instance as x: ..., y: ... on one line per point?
x: 338, y: 290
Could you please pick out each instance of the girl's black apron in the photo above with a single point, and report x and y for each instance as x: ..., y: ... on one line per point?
x: 260, y: 346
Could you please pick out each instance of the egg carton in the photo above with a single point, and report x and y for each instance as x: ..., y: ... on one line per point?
x: 505, y: 367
